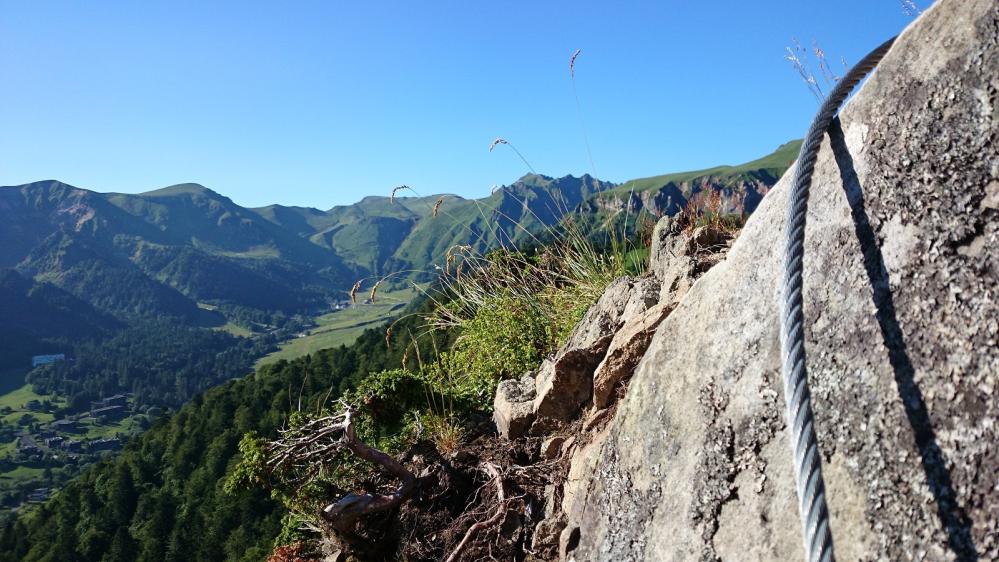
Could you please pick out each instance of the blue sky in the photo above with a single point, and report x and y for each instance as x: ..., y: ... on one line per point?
x: 321, y: 103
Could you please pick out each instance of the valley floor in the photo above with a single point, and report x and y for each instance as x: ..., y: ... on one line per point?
x: 342, y: 327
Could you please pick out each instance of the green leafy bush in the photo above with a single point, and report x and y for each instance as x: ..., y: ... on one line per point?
x: 505, y: 338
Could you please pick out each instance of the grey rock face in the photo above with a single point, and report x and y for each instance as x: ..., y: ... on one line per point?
x: 671, y: 259
x: 546, y: 538
x: 679, y: 256
x: 603, y: 318
x: 902, y: 329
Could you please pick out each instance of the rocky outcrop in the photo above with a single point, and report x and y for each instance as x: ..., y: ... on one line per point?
x: 737, y: 193
x: 565, y: 382
x: 902, y: 328
x: 679, y: 255
x: 563, y: 385
x: 592, y: 369
x: 608, y: 342
x: 625, y: 351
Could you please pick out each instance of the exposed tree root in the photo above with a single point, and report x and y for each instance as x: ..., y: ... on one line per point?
x: 493, y: 471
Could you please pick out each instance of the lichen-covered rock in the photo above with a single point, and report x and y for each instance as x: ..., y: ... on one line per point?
x: 643, y: 296
x: 603, y: 318
x: 902, y: 328
x: 679, y: 256
x: 671, y: 258
x: 513, y: 406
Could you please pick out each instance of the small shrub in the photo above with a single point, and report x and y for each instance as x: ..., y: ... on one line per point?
x: 505, y: 338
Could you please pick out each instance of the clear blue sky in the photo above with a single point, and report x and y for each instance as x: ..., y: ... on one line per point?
x: 321, y: 103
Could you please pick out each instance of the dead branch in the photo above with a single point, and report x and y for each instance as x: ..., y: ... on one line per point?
x: 317, y: 442
x: 493, y: 471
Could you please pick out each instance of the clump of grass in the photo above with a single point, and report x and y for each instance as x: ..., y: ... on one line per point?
x: 711, y: 213
x: 445, y: 432
x: 798, y: 57
x: 910, y: 8
x: 572, y: 262
x: 508, y: 309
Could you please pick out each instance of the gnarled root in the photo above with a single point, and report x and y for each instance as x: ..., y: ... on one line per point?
x: 343, y: 515
x: 493, y: 471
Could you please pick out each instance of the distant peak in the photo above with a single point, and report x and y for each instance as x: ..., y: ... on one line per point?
x: 534, y: 178
x: 181, y: 189
x: 46, y: 184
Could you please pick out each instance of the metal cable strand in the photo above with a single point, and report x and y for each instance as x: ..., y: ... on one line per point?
x: 804, y: 446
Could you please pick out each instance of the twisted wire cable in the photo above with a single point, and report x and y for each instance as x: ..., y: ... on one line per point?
x: 807, y: 464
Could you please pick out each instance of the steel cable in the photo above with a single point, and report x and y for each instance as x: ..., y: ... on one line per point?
x: 807, y: 464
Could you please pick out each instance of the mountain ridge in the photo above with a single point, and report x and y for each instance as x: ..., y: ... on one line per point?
x: 200, y: 245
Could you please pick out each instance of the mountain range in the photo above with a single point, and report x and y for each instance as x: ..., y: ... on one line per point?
x: 176, y: 251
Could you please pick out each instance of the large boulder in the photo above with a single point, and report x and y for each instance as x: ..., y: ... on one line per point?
x: 902, y: 327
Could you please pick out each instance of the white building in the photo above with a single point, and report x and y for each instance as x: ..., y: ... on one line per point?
x: 46, y: 359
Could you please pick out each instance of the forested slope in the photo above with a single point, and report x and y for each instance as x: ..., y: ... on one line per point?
x: 163, y: 499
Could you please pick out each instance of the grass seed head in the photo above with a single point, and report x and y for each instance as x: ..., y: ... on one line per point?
x: 396, y: 190
x: 572, y: 63
x: 374, y: 290
x: 353, y: 292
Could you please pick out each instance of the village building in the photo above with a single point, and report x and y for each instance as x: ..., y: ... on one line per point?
x: 39, y: 495
x: 63, y: 425
x: 39, y: 360
x: 110, y: 412
x: 109, y: 444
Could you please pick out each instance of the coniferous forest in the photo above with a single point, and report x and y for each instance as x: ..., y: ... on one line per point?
x: 162, y: 498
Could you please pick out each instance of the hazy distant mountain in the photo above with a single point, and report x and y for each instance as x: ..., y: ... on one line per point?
x: 157, y: 253
x: 160, y: 253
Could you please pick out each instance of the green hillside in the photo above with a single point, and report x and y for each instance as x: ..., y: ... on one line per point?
x: 185, y: 243
x: 343, y: 327
x: 772, y: 166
